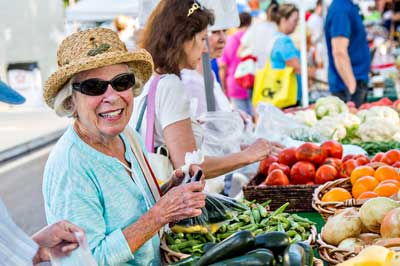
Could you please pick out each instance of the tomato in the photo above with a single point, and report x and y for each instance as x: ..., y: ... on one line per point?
x: 333, y: 149
x: 347, y: 157
x: 264, y: 164
x: 276, y: 178
x: 391, y: 157
x: 279, y: 166
x: 337, y: 163
x: 325, y: 173
x: 396, y: 164
x: 310, y: 152
x: 302, y: 173
x: 396, y: 105
x: 351, y: 104
x: 378, y: 157
x: 288, y: 156
x: 361, y: 159
x: 349, y: 166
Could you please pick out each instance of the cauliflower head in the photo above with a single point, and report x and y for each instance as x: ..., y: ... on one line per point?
x: 330, y: 106
x: 377, y: 129
x: 330, y: 128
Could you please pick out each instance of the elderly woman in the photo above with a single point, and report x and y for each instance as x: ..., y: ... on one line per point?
x: 97, y: 175
x: 175, y: 36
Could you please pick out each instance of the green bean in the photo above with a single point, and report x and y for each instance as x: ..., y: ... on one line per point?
x: 256, y: 215
x: 262, y: 210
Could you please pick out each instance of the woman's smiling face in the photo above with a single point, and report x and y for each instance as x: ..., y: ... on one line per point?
x: 106, y: 115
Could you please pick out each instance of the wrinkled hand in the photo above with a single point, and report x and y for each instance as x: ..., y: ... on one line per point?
x: 57, y: 239
x: 261, y: 149
x: 178, y: 176
x: 181, y: 202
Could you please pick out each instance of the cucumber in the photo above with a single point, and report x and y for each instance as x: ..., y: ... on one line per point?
x: 294, y: 255
x: 309, y: 253
x: 234, y: 245
x: 260, y: 259
x: 189, y: 261
x: 269, y: 256
x: 208, y: 246
x: 277, y: 242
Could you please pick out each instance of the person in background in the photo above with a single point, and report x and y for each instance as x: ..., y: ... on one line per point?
x: 284, y: 53
x: 16, y: 247
x: 126, y: 29
x: 239, y: 97
x: 315, y: 24
x: 257, y: 39
x: 348, y: 52
x: 175, y: 36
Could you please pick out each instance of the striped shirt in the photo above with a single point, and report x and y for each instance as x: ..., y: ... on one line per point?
x: 16, y: 247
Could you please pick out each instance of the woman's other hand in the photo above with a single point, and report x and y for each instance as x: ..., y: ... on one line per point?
x: 182, y: 202
x: 261, y: 149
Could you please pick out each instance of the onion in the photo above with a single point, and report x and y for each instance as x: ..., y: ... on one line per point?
x: 369, y: 238
x: 344, y: 225
x: 374, y: 210
x: 390, y: 226
x: 352, y: 244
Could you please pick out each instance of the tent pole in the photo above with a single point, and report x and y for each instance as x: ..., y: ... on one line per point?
x: 208, y: 80
x: 303, y: 57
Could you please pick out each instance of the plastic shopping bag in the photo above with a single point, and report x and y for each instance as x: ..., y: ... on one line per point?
x: 84, y: 256
x: 275, y: 86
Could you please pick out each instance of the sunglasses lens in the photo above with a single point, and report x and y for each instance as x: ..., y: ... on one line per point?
x: 123, y: 82
x: 93, y: 87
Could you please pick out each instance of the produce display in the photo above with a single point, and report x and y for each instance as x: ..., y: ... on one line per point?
x: 309, y: 164
x: 243, y: 248
x: 333, y: 119
x: 373, y: 231
x: 257, y: 220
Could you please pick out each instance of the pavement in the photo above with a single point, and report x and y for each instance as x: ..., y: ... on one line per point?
x: 25, y: 129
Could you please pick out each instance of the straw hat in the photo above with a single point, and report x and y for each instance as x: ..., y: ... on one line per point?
x: 92, y: 49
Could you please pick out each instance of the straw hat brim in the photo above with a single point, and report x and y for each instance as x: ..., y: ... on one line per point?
x: 139, y: 62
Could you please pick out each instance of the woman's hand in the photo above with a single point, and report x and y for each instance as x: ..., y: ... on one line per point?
x: 261, y: 149
x: 177, y: 177
x: 182, y: 202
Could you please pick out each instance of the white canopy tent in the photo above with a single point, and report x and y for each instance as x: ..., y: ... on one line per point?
x: 102, y: 10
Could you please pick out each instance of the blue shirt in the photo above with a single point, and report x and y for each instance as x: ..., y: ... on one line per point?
x: 282, y: 51
x: 343, y: 20
x: 94, y: 191
x: 16, y: 247
x: 215, y: 68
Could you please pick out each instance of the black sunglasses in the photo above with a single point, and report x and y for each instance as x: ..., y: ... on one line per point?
x: 96, y: 87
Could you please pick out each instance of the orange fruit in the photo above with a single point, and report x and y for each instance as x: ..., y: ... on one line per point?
x: 336, y: 194
x: 368, y: 195
x: 393, y: 181
x: 365, y: 183
x: 386, y: 190
x: 386, y: 172
x: 361, y: 171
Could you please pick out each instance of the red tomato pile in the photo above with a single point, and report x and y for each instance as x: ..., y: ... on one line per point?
x: 309, y: 164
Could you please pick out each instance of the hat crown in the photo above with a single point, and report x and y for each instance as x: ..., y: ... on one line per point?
x: 88, y: 44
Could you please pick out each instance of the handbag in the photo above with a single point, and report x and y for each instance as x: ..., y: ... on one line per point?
x: 245, y: 71
x: 158, y: 157
x: 275, y: 86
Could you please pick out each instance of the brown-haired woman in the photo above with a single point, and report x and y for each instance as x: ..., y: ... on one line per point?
x: 175, y: 36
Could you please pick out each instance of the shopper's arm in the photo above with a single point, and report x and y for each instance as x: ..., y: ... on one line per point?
x: 343, y: 63
x: 295, y: 64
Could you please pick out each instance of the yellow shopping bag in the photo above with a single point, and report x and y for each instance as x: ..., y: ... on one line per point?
x: 275, y: 86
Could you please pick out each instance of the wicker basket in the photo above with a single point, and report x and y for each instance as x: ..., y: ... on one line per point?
x: 327, y: 209
x: 299, y: 196
x: 169, y: 256
x: 332, y: 254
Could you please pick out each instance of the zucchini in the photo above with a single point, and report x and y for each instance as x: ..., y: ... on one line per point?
x: 260, y: 259
x: 189, y: 261
x: 277, y: 242
x: 309, y: 253
x: 294, y: 255
x: 234, y: 245
x: 269, y: 258
x: 208, y: 246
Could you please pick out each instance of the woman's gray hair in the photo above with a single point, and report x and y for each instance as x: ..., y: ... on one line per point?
x: 63, y: 104
x: 63, y: 101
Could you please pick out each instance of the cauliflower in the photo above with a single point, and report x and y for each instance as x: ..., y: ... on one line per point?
x: 330, y: 106
x: 382, y: 112
x: 377, y: 129
x: 348, y: 120
x: 306, y: 117
x: 330, y: 128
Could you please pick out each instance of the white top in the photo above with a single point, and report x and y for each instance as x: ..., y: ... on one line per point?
x: 171, y: 106
x: 193, y: 83
x: 258, y: 40
x: 315, y: 25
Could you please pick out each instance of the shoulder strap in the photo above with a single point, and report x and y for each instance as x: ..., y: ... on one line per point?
x: 140, y: 120
x: 151, y: 101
